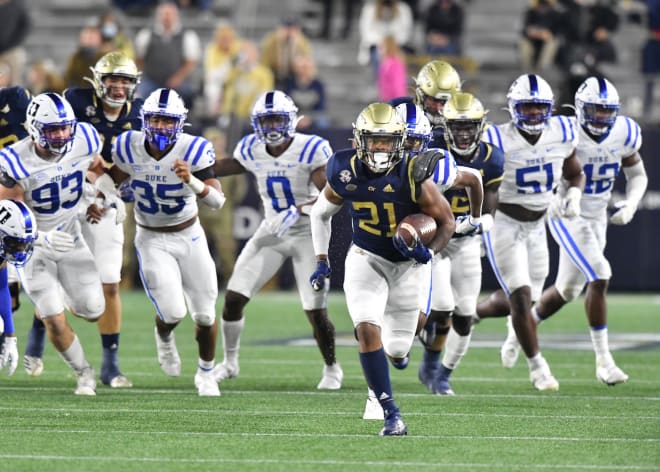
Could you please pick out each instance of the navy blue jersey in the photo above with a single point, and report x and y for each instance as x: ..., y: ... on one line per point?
x: 13, y: 104
x: 489, y: 160
x: 88, y: 107
x: 378, y: 202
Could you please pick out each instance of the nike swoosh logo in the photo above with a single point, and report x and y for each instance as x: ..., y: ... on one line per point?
x: 196, y: 238
x: 74, y: 164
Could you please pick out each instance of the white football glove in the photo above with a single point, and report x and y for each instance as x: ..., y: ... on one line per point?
x: 59, y: 241
x: 279, y: 224
x: 468, y: 225
x: 9, y: 355
x: 567, y: 206
x: 119, y: 205
x: 624, y: 214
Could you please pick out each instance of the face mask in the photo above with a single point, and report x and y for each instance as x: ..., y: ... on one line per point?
x: 109, y: 31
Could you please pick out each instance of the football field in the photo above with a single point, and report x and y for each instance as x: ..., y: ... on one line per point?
x: 272, y: 418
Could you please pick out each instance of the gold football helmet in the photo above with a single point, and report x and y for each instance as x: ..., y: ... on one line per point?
x: 436, y: 82
x: 115, y: 64
x: 464, y: 121
x: 379, y: 134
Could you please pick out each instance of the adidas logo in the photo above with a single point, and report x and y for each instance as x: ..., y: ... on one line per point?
x: 388, y: 188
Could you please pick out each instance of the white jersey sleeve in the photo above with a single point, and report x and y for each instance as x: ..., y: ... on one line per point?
x: 446, y: 170
x: 533, y: 171
x: 161, y: 197
x: 53, y: 187
x: 284, y: 180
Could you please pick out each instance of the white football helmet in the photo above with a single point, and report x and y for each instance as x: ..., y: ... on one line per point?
x: 274, y: 117
x: 418, y: 127
x: 18, y: 231
x: 597, y: 105
x: 165, y: 103
x: 379, y: 134
x: 47, y: 114
x: 530, y: 90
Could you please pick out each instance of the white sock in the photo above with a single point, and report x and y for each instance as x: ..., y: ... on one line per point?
x: 599, y: 340
x: 455, y: 348
x: 205, y: 365
x: 231, y: 339
x: 535, y: 361
x: 74, y: 356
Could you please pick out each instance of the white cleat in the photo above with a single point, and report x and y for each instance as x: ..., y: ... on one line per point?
x: 206, y: 384
x: 225, y: 370
x: 610, y: 374
x: 510, y: 350
x: 86, y: 383
x: 168, y: 356
x: 332, y: 377
x: 542, y: 378
x: 34, y: 366
x: 120, y: 381
x: 373, y: 410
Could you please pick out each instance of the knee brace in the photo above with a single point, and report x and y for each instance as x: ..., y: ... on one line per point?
x: 462, y: 324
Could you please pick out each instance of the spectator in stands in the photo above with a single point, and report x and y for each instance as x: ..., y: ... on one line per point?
x: 246, y: 81
x: 219, y: 57
x: 381, y: 18
x: 43, y: 77
x: 112, y: 35
x: 15, y: 28
x: 539, y: 42
x: 308, y: 92
x: 328, y: 9
x: 444, y: 28
x: 84, y: 57
x: 603, y: 21
x: 167, y: 54
x: 392, y: 77
x: 651, y: 55
x: 281, y: 46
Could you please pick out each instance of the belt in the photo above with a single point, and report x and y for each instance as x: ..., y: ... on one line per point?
x: 171, y: 229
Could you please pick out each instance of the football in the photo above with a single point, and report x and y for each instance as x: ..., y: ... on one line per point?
x: 416, y: 226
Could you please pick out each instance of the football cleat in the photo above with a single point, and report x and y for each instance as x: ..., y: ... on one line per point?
x: 394, y: 425
x: 206, y: 384
x: 542, y: 378
x: 119, y: 381
x: 427, y: 373
x: 168, y: 356
x: 442, y: 387
x: 34, y: 366
x: 86, y: 383
x: 373, y: 410
x: 610, y: 374
x: 332, y: 377
x: 225, y: 370
x: 510, y: 350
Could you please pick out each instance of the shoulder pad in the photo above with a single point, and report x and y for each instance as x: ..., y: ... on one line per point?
x: 425, y: 163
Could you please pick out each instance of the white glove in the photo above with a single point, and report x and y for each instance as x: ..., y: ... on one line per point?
x: 60, y: 241
x: 567, y: 206
x: 624, y: 214
x: 468, y: 225
x: 119, y: 205
x: 279, y: 224
x: 9, y: 355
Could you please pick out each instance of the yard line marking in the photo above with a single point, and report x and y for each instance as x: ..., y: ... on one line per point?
x: 331, y: 435
x: 351, y: 412
x: 465, y: 465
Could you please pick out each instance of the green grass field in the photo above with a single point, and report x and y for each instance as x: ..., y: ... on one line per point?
x: 272, y: 417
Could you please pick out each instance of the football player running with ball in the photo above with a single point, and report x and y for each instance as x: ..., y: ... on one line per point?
x: 290, y: 171
x: 608, y: 143
x: 539, y: 150
x: 382, y: 274
x: 169, y: 170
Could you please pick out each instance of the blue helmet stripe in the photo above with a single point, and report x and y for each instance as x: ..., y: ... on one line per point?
x: 162, y: 99
x: 411, y: 114
x: 61, y: 110
x: 533, y: 85
x: 602, y: 88
x: 26, y: 215
x: 269, y: 100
